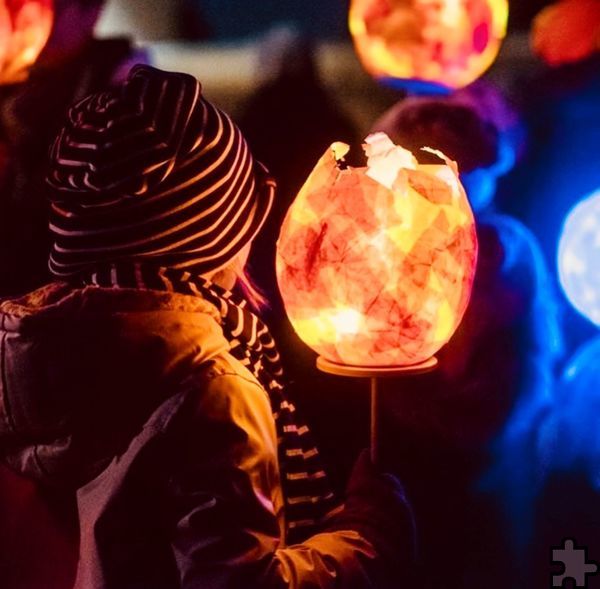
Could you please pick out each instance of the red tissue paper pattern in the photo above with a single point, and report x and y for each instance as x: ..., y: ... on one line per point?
x: 375, y: 264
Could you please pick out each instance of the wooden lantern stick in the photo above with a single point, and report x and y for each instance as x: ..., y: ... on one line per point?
x: 375, y: 404
x: 374, y: 373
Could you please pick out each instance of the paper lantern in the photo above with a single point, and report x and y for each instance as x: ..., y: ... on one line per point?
x: 25, y: 26
x: 447, y: 43
x: 567, y: 31
x: 579, y: 257
x: 375, y: 264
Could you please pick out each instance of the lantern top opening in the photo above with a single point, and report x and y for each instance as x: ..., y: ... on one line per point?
x: 385, y: 161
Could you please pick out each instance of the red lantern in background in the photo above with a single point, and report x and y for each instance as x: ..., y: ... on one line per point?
x: 375, y: 264
x: 25, y: 26
x: 567, y: 31
x: 447, y: 43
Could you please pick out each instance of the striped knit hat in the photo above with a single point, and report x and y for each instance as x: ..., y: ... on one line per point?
x: 153, y: 172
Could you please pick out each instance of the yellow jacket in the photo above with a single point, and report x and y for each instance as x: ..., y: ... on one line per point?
x: 132, y: 399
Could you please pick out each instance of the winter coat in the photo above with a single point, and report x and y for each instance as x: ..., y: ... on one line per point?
x: 132, y: 399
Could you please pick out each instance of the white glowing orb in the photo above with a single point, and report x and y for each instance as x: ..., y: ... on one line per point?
x: 579, y: 257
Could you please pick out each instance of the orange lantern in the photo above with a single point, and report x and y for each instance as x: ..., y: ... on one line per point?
x: 567, y: 31
x: 448, y: 43
x: 25, y: 26
x: 375, y: 264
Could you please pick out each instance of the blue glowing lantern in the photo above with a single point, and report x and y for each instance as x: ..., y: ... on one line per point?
x: 579, y: 257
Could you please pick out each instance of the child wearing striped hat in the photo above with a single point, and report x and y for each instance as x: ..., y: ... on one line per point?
x: 140, y: 381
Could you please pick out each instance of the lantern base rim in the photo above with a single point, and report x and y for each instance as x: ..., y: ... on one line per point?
x: 339, y: 369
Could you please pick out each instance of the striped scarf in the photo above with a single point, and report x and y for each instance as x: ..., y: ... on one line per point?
x: 309, y: 500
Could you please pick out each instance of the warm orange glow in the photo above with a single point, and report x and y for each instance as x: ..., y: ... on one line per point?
x: 25, y: 26
x: 375, y: 264
x: 446, y: 42
x: 567, y: 31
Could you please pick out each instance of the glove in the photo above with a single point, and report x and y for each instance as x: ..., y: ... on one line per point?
x: 376, y: 506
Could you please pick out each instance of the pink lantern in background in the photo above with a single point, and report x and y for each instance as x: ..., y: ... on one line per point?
x: 448, y: 43
x: 25, y: 26
x: 375, y: 264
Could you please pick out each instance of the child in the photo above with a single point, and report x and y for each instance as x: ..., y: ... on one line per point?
x: 141, y: 381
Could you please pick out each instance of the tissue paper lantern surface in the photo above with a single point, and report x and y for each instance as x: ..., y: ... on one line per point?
x: 375, y: 265
x: 449, y: 43
x: 25, y: 26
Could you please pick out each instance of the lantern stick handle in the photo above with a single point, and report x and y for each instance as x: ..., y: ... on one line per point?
x: 374, y: 373
x: 374, y: 421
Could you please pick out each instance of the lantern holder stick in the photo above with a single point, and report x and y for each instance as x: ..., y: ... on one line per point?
x: 374, y: 373
x: 375, y: 405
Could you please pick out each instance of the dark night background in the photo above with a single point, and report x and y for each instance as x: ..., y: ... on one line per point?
x: 472, y: 529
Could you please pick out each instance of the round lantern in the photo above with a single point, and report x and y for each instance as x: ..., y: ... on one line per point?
x: 25, y: 26
x: 567, y: 31
x: 443, y: 43
x: 375, y: 264
x: 579, y: 257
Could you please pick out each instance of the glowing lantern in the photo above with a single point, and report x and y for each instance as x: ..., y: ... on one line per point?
x: 449, y: 43
x: 25, y: 26
x: 567, y: 31
x: 375, y: 264
x: 579, y: 257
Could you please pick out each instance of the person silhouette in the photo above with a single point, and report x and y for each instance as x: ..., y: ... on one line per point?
x: 498, y: 368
